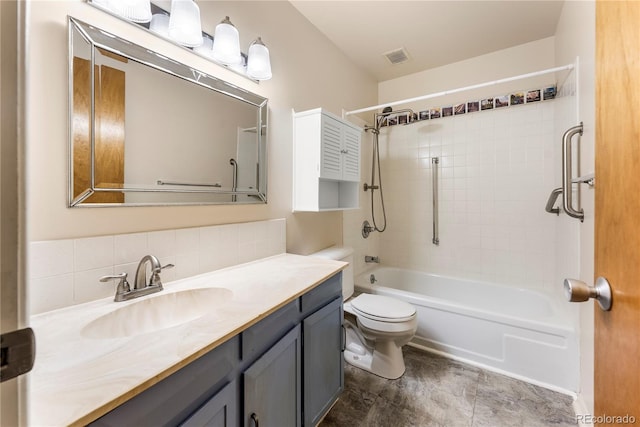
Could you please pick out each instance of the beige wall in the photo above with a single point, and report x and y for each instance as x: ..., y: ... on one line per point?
x: 309, y: 71
x: 575, y: 36
x: 526, y: 58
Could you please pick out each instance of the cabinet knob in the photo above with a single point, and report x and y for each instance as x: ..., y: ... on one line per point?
x: 344, y: 151
x: 255, y: 420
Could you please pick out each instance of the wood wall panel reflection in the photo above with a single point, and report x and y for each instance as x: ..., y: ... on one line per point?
x: 110, y: 133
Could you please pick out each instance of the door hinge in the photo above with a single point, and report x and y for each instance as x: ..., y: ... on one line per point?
x: 17, y: 353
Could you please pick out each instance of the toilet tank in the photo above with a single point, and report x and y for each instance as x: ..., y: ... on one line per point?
x: 345, y: 254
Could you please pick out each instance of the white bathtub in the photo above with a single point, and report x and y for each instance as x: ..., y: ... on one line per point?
x: 519, y: 332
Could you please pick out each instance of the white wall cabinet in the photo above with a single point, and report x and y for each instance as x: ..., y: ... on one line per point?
x: 326, y: 162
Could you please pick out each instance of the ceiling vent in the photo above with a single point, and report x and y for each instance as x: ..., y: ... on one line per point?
x: 397, y: 56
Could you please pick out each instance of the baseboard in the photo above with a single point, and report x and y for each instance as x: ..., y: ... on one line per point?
x: 580, y: 408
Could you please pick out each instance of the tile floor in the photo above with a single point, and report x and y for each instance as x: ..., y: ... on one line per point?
x: 436, y: 391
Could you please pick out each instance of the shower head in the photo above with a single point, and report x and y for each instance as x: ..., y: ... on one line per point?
x: 388, y: 112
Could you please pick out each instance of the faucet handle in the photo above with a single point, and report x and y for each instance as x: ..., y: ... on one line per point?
x: 155, y: 277
x: 121, y: 277
x: 123, y: 285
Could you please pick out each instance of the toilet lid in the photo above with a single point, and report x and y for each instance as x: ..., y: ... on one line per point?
x: 383, y: 308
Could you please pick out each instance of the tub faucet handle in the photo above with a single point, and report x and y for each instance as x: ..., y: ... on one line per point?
x: 369, y: 258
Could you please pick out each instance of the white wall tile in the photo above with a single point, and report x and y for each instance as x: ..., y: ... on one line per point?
x: 162, y: 243
x: 493, y: 185
x: 209, y: 238
x: 50, y: 293
x: 93, y: 252
x: 187, y: 265
x: 50, y: 258
x: 187, y: 240
x: 75, y: 266
x: 87, y: 286
x: 130, y: 247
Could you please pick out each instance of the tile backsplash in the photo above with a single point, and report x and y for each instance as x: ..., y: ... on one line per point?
x: 66, y: 272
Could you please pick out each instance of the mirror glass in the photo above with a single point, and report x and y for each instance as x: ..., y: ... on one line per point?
x: 148, y: 130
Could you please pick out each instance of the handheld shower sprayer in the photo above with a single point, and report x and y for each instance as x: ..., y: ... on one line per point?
x: 379, y: 119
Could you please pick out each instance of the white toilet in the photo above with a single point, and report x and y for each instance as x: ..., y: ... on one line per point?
x: 376, y: 326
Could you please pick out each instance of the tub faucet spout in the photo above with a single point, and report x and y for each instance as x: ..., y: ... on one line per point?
x: 369, y: 258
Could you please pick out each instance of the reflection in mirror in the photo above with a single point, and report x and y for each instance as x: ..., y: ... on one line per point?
x: 148, y: 130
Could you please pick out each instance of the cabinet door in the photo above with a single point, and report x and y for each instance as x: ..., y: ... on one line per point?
x: 272, y: 385
x: 331, y: 148
x: 220, y: 411
x: 322, y: 360
x: 351, y: 154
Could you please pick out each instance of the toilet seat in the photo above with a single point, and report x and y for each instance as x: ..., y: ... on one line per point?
x: 382, y: 309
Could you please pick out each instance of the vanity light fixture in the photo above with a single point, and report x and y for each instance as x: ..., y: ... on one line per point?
x: 259, y: 63
x: 132, y: 10
x: 226, y: 43
x: 183, y: 27
x: 184, y: 23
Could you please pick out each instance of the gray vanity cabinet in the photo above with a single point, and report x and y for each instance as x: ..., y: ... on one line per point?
x: 183, y: 394
x: 272, y: 385
x: 322, y: 361
x: 284, y: 371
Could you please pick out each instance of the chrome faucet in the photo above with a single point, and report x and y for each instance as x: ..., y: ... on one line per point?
x: 140, y: 281
x: 140, y: 285
x: 368, y: 258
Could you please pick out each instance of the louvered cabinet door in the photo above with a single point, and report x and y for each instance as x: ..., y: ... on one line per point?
x: 351, y: 154
x: 331, y: 149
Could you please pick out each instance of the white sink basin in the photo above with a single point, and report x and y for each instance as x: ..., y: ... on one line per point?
x: 159, y: 312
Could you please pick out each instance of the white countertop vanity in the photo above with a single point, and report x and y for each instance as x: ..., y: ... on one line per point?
x: 92, y: 358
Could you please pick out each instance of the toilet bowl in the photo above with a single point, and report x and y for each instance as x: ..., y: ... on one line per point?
x: 376, y: 326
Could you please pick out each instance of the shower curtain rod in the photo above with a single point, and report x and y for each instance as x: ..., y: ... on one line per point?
x: 462, y: 89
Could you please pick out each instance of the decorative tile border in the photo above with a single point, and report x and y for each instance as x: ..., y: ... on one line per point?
x: 512, y: 99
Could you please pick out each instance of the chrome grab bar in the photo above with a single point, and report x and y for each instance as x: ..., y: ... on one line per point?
x: 552, y: 200
x: 187, y: 184
x: 234, y: 185
x: 566, y: 173
x: 435, y: 161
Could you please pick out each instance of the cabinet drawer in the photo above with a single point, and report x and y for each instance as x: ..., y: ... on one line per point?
x: 176, y: 397
x: 321, y: 295
x: 258, y: 338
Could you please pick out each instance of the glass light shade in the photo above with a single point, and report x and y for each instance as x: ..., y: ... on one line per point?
x: 240, y: 66
x: 206, y: 48
x: 160, y: 24
x: 226, y: 43
x: 133, y: 10
x: 184, y: 24
x: 259, y: 63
